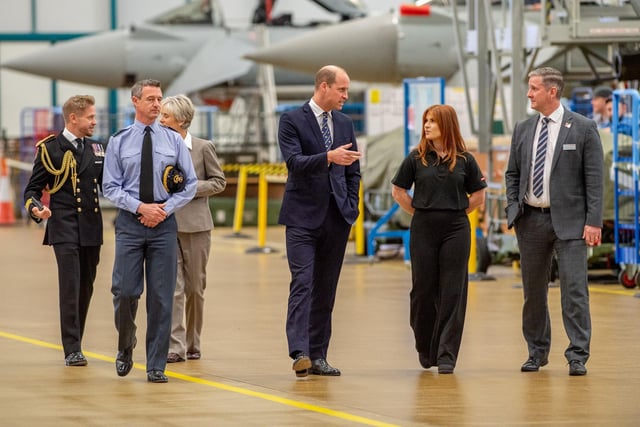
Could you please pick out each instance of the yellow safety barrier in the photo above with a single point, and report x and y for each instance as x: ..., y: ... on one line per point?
x: 241, y: 194
x: 270, y: 169
x: 257, y: 168
x: 473, y: 261
x: 359, y: 225
x: 262, y: 170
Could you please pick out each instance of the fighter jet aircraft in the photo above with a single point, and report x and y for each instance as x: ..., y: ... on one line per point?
x: 421, y: 41
x: 189, y: 49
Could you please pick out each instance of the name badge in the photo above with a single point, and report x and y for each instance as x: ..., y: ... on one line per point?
x: 567, y: 147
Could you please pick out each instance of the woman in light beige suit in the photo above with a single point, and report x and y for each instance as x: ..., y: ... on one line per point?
x: 194, y: 233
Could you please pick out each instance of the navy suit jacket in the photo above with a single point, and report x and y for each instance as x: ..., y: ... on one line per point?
x: 311, y: 180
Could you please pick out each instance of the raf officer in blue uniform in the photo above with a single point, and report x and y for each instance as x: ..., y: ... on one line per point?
x: 69, y: 167
x: 146, y: 229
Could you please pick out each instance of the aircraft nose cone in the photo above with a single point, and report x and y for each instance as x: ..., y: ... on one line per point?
x: 363, y: 47
x: 102, y: 59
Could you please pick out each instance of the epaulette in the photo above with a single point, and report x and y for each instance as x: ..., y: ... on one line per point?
x: 46, y: 139
x: 120, y: 131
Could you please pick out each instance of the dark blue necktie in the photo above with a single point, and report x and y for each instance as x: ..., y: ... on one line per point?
x: 541, y: 154
x: 326, y: 135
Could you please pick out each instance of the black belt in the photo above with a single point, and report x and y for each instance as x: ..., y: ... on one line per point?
x: 537, y: 209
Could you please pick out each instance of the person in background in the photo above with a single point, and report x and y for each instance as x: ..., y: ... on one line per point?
x: 608, y: 118
x: 598, y: 102
x: 320, y: 204
x: 194, y: 233
x: 447, y: 185
x: 69, y: 167
x: 137, y: 159
x: 554, y: 189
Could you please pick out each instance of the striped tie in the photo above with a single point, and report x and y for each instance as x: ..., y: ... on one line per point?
x: 541, y: 153
x: 326, y: 135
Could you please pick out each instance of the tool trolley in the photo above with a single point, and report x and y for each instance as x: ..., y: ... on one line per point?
x: 625, y: 170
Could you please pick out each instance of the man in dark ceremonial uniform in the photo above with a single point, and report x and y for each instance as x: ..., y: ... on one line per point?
x: 69, y: 167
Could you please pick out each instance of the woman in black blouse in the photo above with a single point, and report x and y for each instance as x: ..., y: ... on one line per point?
x: 447, y: 185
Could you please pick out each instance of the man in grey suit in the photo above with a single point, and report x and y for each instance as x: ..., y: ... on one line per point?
x: 194, y: 233
x: 554, y: 184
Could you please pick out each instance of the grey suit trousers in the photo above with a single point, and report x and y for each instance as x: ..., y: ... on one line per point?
x: 538, y: 242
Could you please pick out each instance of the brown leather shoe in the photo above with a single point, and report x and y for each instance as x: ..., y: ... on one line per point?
x: 174, y: 358
x: 193, y: 355
x: 301, y: 365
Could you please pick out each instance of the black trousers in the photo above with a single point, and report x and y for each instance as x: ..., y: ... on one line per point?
x: 76, y: 274
x: 440, y: 243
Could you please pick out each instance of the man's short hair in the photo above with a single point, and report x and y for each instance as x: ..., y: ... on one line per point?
x: 136, y: 90
x: 602, y: 92
x: 76, y: 105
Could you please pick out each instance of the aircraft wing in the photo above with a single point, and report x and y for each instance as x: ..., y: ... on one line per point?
x: 216, y: 62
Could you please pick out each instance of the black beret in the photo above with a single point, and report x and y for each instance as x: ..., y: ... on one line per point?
x: 173, y: 179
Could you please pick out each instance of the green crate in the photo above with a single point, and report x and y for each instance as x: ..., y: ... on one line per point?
x: 223, y: 209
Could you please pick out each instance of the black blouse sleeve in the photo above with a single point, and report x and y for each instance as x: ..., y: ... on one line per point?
x: 406, y: 174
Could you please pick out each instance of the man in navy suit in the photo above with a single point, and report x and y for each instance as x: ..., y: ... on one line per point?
x: 555, y: 205
x: 320, y: 204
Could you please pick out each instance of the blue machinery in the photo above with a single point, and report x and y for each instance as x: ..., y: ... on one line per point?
x: 626, y: 161
x: 418, y: 95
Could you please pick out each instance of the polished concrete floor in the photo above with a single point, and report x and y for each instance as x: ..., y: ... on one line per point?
x: 245, y: 377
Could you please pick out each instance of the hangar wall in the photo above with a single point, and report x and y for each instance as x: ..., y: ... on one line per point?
x: 19, y: 90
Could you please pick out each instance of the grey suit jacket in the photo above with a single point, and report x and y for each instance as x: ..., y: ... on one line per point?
x: 196, y: 216
x: 576, y: 180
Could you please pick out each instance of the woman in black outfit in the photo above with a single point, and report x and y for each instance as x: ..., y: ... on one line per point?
x: 448, y: 184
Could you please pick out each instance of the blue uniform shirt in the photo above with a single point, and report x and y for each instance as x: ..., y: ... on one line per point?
x: 121, y: 176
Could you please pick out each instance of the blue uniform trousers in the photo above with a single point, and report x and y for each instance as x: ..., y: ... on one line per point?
x: 155, y: 250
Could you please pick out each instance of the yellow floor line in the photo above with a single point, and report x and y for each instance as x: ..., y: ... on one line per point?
x: 234, y: 389
x: 619, y: 291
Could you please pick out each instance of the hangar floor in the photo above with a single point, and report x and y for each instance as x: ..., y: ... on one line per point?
x: 245, y: 377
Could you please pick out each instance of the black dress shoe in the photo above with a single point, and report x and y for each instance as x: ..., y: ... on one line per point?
x: 157, y: 377
x: 322, y: 367
x: 577, y: 368
x: 124, y: 362
x: 533, y: 364
x: 75, y: 359
x: 424, y: 360
x: 301, y: 364
x: 445, y: 369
